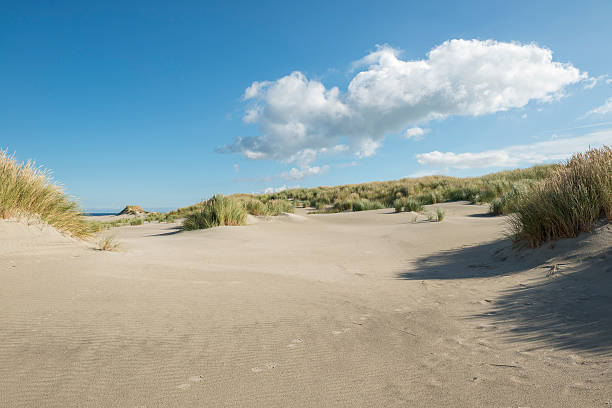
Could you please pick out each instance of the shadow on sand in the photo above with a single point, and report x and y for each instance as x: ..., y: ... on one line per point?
x: 172, y: 231
x: 568, y: 307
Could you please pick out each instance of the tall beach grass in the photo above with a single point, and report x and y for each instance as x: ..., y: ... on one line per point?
x: 215, y: 212
x: 27, y: 191
x: 573, y: 199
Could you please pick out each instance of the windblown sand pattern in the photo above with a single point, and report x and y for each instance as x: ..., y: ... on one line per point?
x: 356, y: 309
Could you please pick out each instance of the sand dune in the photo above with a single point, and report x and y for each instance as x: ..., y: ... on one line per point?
x: 352, y: 309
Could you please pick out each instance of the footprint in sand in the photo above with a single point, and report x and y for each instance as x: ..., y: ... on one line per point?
x: 295, y: 343
x: 269, y: 365
x: 194, y: 379
x: 521, y: 379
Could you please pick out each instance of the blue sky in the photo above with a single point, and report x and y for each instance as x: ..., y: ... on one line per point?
x: 163, y: 104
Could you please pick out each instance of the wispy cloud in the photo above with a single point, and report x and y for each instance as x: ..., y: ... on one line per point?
x: 518, y: 155
x: 345, y: 165
x: 601, y: 110
x: 591, y: 82
x: 425, y: 172
x: 304, y: 171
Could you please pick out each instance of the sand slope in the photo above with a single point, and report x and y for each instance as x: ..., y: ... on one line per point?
x: 355, y: 309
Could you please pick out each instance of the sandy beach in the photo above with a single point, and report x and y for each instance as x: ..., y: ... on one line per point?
x: 350, y: 309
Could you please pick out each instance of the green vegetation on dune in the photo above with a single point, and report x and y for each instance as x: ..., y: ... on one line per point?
x: 231, y: 210
x: 544, y: 203
x: 424, y: 190
x: 215, y: 212
x: 407, y: 204
x: 573, y: 199
x: 28, y: 191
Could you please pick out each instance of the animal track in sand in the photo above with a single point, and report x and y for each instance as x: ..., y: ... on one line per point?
x: 194, y: 379
x: 361, y: 320
x: 294, y: 343
x: 269, y: 366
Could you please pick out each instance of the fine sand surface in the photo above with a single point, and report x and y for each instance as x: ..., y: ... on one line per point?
x: 362, y: 309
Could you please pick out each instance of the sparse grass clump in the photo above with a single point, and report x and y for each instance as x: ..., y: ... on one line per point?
x: 407, y: 204
x: 255, y: 207
x: 572, y: 200
x: 506, y: 204
x: 215, y: 212
x: 440, y: 214
x: 358, y: 204
x: 137, y: 221
x: 275, y: 207
x: 108, y: 243
x: 28, y: 191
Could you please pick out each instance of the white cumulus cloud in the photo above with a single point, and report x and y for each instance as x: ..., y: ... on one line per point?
x: 295, y: 114
x: 518, y: 155
x: 415, y: 133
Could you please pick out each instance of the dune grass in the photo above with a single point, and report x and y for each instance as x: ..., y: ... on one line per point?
x: 356, y: 204
x: 108, y: 243
x: 574, y: 199
x: 425, y: 190
x: 275, y: 207
x: 27, y: 191
x: 217, y: 211
x: 407, y: 204
x: 506, y: 203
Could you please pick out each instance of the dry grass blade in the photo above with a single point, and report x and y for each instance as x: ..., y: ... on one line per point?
x: 108, y: 243
x: 574, y: 199
x: 27, y: 191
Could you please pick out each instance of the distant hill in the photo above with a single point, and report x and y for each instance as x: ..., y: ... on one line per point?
x: 133, y: 210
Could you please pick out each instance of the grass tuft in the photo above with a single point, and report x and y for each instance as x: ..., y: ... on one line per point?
x: 407, y: 204
x: 275, y: 207
x: 28, y: 191
x: 574, y: 199
x: 215, y: 212
x: 108, y: 243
